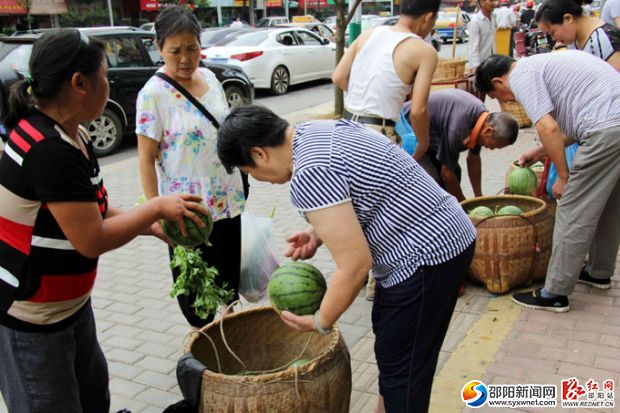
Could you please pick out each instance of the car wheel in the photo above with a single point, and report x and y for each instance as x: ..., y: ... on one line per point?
x: 280, y: 80
x: 235, y: 96
x: 106, y: 133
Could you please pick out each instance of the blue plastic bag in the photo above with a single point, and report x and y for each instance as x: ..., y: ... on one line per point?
x: 404, y: 130
x: 570, y: 152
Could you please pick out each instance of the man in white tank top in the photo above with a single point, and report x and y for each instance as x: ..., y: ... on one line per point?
x: 384, y: 65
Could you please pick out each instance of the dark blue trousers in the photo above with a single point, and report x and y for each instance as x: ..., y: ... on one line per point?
x: 410, y: 321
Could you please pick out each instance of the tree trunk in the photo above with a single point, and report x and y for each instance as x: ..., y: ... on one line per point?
x: 340, y: 29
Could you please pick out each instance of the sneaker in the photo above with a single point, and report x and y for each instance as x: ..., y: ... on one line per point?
x: 600, y: 283
x: 533, y: 299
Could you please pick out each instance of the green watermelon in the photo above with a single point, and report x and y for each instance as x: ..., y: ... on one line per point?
x: 522, y: 181
x: 195, y: 235
x: 509, y: 210
x: 297, y: 287
x: 481, y: 212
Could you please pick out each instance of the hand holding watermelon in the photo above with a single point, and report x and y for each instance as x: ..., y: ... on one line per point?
x: 531, y: 156
x: 301, y: 323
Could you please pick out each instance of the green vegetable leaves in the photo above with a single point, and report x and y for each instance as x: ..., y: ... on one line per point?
x: 198, y: 278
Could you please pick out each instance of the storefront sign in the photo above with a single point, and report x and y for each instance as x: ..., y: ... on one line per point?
x: 36, y: 7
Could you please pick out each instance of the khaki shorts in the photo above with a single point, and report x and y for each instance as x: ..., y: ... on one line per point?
x: 387, y: 131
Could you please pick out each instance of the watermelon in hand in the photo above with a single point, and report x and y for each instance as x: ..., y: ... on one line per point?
x: 522, y: 181
x: 297, y: 287
x: 195, y: 235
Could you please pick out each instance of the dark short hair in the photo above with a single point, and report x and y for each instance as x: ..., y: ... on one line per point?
x: 56, y: 57
x: 247, y: 127
x: 494, y: 66
x: 415, y: 8
x: 506, y: 127
x: 174, y: 20
x: 553, y: 11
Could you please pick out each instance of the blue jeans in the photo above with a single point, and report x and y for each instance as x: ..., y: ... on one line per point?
x: 63, y: 371
x: 410, y: 321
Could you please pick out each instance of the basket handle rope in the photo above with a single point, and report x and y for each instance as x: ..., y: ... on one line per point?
x: 535, y: 250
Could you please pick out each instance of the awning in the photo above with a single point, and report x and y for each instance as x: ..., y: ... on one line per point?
x: 150, y: 5
x: 38, y: 7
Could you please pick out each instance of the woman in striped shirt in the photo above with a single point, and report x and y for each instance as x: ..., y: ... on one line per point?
x: 371, y: 204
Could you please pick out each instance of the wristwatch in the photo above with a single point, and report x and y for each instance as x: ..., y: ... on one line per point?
x: 318, y: 326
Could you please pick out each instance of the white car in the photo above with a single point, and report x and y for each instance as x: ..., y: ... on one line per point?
x: 275, y: 58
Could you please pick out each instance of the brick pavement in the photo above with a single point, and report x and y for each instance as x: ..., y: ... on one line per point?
x: 141, y: 328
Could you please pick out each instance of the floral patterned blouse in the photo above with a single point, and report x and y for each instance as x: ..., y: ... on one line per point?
x: 187, y: 161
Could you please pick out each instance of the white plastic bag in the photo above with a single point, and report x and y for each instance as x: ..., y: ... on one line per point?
x: 257, y: 259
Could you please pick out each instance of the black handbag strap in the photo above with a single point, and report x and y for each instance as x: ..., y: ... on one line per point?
x: 189, y: 97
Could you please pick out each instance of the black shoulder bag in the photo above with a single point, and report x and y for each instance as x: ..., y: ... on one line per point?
x: 204, y: 111
x: 189, y: 97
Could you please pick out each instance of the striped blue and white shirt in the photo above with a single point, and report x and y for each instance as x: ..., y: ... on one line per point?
x: 408, y: 220
x: 579, y: 90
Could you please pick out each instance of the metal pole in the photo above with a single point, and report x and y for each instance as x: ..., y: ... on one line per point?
x: 218, y: 4
x: 392, y: 7
x: 286, y: 9
x: 305, y: 7
x: 355, y: 25
x: 110, y: 11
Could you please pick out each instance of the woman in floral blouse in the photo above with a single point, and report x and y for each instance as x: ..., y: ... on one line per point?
x: 177, y: 145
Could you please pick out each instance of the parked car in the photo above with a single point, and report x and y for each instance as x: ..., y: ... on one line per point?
x: 275, y: 58
x: 211, y: 36
x: 272, y: 21
x: 148, y: 27
x: 330, y: 22
x: 318, y: 28
x: 132, y: 60
x: 446, y: 20
x: 435, y: 39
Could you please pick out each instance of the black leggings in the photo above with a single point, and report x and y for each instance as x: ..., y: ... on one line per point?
x: 225, y: 255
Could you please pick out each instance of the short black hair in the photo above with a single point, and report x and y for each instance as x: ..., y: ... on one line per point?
x: 506, y: 127
x: 415, y: 8
x: 553, y: 11
x: 174, y: 20
x: 247, y: 127
x: 494, y: 66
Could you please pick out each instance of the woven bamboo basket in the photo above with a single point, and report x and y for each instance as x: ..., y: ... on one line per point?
x: 511, y: 250
x: 449, y: 69
x: 515, y: 109
x: 263, y: 342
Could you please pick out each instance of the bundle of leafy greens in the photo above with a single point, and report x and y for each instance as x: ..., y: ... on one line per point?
x: 196, y: 277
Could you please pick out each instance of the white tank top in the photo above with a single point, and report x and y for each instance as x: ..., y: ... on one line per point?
x: 374, y: 86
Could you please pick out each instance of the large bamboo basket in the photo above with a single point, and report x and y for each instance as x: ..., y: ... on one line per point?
x: 263, y: 342
x: 511, y: 250
x: 515, y: 109
x: 449, y: 69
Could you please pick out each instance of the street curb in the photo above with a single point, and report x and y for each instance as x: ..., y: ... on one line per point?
x: 476, y: 352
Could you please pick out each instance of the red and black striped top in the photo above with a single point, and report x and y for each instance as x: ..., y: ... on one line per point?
x: 44, y: 281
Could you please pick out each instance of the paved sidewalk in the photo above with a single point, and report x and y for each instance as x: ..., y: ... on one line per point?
x: 491, y: 339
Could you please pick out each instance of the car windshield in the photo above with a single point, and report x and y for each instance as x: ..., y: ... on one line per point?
x: 210, y: 37
x: 16, y: 58
x: 244, y: 39
x: 330, y: 20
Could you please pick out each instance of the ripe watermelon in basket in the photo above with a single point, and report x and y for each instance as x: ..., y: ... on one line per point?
x: 195, y: 235
x: 297, y: 287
